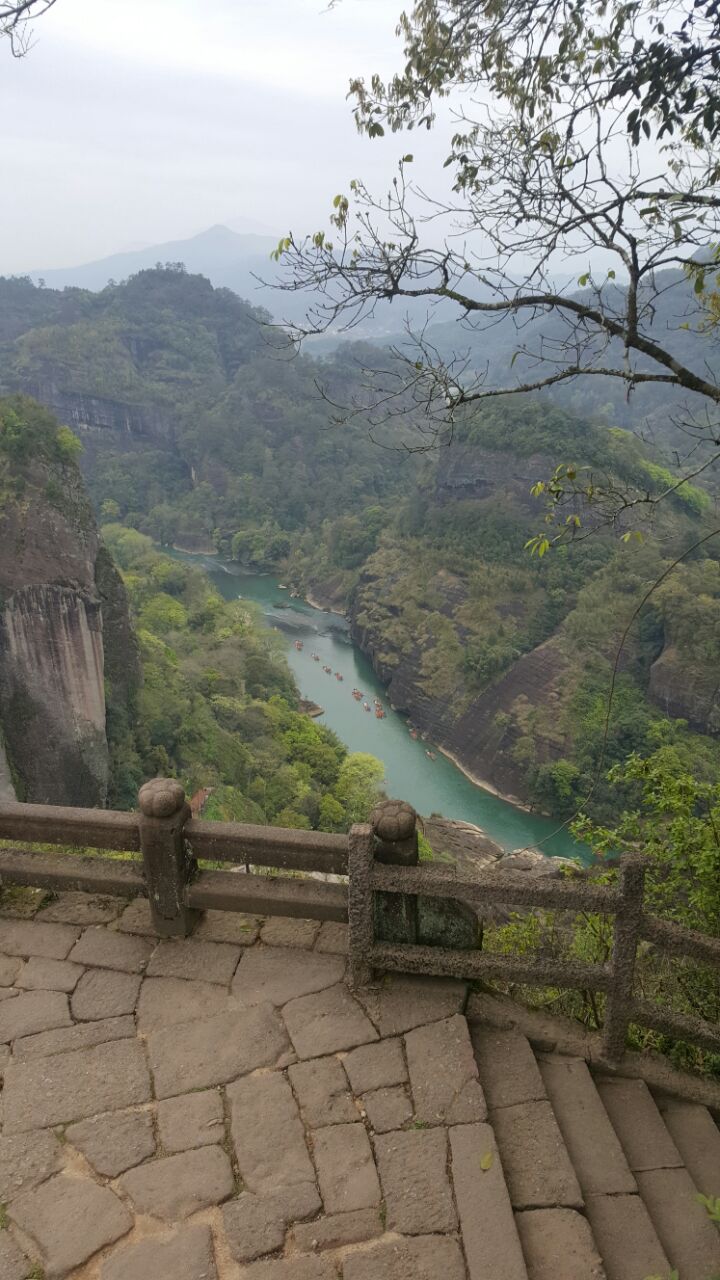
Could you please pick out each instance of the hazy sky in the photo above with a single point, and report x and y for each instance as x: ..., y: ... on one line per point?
x: 139, y: 121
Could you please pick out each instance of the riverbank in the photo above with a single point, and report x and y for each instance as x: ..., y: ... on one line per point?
x: 324, y: 608
x: 432, y: 786
x: 488, y: 786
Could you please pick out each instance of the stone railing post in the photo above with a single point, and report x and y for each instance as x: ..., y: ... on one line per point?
x: 394, y: 825
x: 361, y: 931
x: 163, y: 814
x: 628, y: 918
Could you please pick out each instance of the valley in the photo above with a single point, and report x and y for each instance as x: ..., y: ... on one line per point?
x: 430, y: 785
x: 202, y: 428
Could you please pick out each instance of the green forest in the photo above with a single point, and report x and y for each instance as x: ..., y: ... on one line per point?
x: 204, y: 427
x: 218, y: 707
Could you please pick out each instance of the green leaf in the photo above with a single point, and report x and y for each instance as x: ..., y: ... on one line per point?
x: 582, y: 280
x: 486, y: 1161
x: 407, y: 159
x: 611, y: 275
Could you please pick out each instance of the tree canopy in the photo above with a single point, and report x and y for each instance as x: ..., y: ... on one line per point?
x: 15, y: 20
x: 583, y: 172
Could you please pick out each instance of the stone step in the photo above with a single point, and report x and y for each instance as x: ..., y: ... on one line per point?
x: 689, y: 1238
x: 591, y: 1141
x: 626, y: 1238
x: 639, y: 1125
x: 490, y: 1237
x: 537, y: 1167
x: 696, y: 1137
x: 508, y: 1070
x: 558, y: 1245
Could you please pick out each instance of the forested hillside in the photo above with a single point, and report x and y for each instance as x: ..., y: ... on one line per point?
x: 218, y: 707
x: 204, y: 428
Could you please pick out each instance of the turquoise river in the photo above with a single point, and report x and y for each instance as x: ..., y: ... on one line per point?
x: 431, y: 786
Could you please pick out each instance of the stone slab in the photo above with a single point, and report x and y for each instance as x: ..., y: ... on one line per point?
x: 639, y: 1125
x: 41, y: 974
x: 301, y: 1267
x: 375, y: 1066
x: 492, y: 1245
x: 28, y: 938
x: 163, y: 1001
x: 689, y: 1238
x: 626, y: 1238
x: 19, y: 902
x: 413, y: 1172
x: 197, y: 961
x: 424, y: 1258
x: 136, y: 918
x: 14, y: 1265
x: 107, y: 949
x: 42, y: 1092
x: 211, y: 1051
x: 591, y: 1141
x: 558, y: 1245
x: 10, y: 967
x: 26, y: 1160
x: 387, y: 1109
x: 82, y: 909
x: 70, y: 1219
x: 444, y: 1074
x: 280, y: 974
x: 508, y: 1070
x: 536, y: 1163
x: 228, y: 926
x: 346, y: 1170
x: 187, y: 1254
x: 192, y: 1120
x: 177, y: 1186
x: 69, y: 1039
x: 253, y: 1226
x: 697, y: 1138
x: 104, y: 993
x: 335, y: 1230
x: 402, y: 1002
x: 33, y: 1011
x: 267, y: 1134
x: 284, y: 931
x: 114, y: 1142
x: 332, y: 938
x: 321, y: 1088
x: 327, y: 1023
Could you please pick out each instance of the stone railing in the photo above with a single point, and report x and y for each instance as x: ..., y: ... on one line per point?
x: 402, y: 915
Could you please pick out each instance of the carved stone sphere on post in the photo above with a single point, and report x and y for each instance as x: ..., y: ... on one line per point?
x: 394, y: 824
x: 161, y: 797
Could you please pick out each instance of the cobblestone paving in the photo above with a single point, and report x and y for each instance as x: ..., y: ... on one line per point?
x: 224, y: 1108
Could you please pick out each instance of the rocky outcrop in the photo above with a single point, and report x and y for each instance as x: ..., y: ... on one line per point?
x: 85, y: 412
x: 64, y: 629
x: 484, y: 739
x: 684, y: 692
x: 52, y: 694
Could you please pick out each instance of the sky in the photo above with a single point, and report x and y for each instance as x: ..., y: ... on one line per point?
x: 133, y: 122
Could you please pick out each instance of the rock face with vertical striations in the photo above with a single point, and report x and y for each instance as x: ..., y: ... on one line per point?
x: 58, y: 590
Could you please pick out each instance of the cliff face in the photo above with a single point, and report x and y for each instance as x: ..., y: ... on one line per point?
x: 83, y: 411
x: 485, y: 738
x: 59, y: 594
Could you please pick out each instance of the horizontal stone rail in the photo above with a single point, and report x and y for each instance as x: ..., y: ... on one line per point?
x: 515, y: 889
x: 87, y: 828
x: 394, y: 905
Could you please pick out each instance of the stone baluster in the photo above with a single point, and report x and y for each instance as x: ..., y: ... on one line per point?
x: 163, y: 813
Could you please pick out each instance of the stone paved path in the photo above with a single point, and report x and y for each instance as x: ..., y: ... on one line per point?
x: 224, y: 1108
